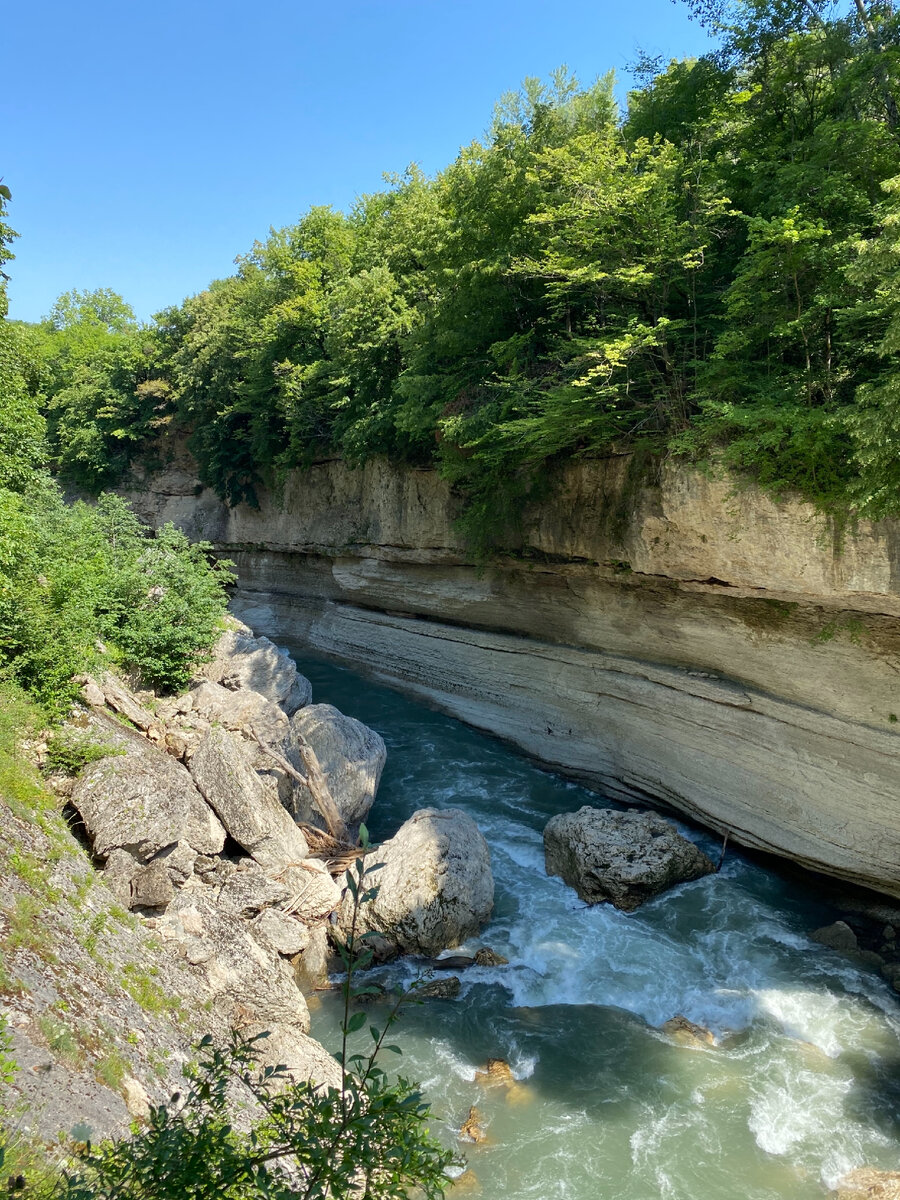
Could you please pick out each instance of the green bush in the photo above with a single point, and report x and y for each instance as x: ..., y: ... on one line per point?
x: 73, y: 577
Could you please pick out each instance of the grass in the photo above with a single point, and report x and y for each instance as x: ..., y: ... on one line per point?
x: 27, y: 931
x: 140, y: 984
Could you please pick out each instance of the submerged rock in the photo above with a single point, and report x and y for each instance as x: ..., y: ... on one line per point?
x: 621, y: 858
x: 869, y: 1184
x: 435, y: 888
x: 688, y: 1033
x: 473, y: 1127
x: 838, y: 936
x: 351, y: 757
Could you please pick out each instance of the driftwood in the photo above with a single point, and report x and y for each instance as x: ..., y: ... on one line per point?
x: 314, y: 780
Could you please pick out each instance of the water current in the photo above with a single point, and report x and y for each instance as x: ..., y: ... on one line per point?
x: 803, y: 1085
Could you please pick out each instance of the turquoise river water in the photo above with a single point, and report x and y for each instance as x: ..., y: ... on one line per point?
x: 802, y: 1087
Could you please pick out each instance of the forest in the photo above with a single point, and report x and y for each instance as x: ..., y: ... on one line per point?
x: 710, y: 271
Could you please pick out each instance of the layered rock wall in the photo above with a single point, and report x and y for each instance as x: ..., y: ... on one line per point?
x: 678, y: 640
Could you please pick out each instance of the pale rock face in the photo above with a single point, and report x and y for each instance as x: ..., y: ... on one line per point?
x: 351, y: 756
x: 242, y: 711
x: 247, y: 663
x: 434, y: 890
x: 287, y: 934
x: 305, y: 1058
x: 254, y: 818
x: 143, y: 803
x: 245, y: 977
x: 622, y: 858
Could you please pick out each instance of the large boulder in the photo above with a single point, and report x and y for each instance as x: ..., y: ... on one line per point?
x: 142, y: 801
x: 351, y: 757
x: 251, y: 814
x: 622, y: 858
x: 247, y: 713
x: 435, y: 888
x: 243, y: 661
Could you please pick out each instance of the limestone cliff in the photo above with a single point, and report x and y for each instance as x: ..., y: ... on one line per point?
x: 682, y: 640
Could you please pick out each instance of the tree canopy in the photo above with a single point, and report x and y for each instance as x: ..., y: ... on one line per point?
x: 710, y: 272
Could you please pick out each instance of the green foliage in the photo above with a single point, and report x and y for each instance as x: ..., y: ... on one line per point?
x: 712, y: 273
x: 68, y: 751
x: 74, y: 576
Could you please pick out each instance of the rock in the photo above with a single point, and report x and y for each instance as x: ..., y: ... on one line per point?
x: 136, y: 1099
x: 496, y: 1073
x: 252, y: 816
x: 241, y: 712
x: 838, y: 936
x: 867, y: 1183
x: 439, y: 989
x: 622, y: 858
x: 143, y: 801
x: 178, y: 861
x: 304, y: 1057
x: 311, y: 892
x: 247, y: 981
x: 473, y: 1127
x: 151, y: 886
x: 256, y: 664
x: 118, y: 872
x: 467, y: 1183
x: 688, y: 1033
x: 351, y: 757
x: 452, y: 962
x: 486, y: 957
x: 246, y: 892
x: 311, y: 968
x: 435, y: 888
x: 891, y: 972
x: 287, y: 934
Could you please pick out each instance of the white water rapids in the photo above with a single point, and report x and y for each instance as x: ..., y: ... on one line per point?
x: 801, y: 1087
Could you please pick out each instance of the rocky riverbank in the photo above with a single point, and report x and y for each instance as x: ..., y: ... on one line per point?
x: 193, y: 884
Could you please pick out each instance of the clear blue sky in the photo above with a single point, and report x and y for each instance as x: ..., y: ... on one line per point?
x: 146, y: 144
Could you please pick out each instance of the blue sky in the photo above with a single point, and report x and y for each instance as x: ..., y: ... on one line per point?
x: 148, y: 143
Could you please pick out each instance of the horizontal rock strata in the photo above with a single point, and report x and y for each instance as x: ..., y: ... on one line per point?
x: 678, y: 641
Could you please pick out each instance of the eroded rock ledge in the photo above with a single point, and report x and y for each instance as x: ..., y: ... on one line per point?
x: 680, y: 641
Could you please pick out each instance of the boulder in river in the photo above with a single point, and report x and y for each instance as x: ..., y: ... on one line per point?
x: 621, y: 858
x: 838, y: 936
x: 688, y: 1033
x: 435, y: 888
x: 351, y: 757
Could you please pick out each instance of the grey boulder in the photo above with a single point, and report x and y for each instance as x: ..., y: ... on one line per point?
x: 620, y: 858
x: 243, y: 661
x: 435, y: 888
x: 351, y: 757
x: 141, y: 802
x: 251, y: 814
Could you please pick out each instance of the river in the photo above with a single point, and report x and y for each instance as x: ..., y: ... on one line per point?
x: 802, y: 1086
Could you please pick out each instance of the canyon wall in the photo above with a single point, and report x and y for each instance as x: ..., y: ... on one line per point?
x: 680, y: 640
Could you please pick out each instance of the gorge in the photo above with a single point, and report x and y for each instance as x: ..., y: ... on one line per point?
x: 685, y: 640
